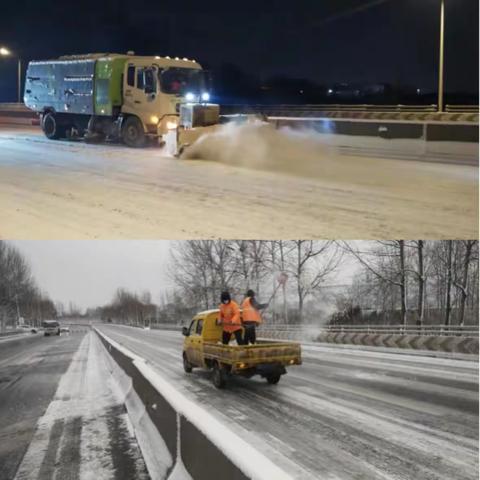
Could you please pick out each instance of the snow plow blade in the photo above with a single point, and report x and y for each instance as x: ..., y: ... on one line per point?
x: 186, y: 134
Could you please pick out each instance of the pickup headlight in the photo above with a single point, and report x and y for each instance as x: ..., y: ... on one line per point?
x: 205, y: 96
x: 189, y: 97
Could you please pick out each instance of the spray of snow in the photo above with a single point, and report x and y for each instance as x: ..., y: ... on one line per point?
x: 259, y: 145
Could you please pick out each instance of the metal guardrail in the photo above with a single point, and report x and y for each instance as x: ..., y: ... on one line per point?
x: 455, y: 330
x: 462, y: 109
x: 466, y: 330
x: 311, y: 108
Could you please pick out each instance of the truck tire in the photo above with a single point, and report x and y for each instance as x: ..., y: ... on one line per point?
x: 133, y: 134
x: 51, y: 127
x: 273, y: 379
x: 219, y: 376
x: 187, y: 366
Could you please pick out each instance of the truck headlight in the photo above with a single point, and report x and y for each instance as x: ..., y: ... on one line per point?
x: 205, y: 96
x: 189, y: 97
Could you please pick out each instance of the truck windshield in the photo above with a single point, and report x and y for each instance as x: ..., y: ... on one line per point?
x: 51, y: 324
x: 178, y: 81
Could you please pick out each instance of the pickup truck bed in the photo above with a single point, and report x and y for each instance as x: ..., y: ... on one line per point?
x: 241, y: 357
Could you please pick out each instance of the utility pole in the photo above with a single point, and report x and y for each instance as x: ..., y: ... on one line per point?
x: 442, y: 54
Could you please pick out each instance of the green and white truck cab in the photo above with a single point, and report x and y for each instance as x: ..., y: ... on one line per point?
x: 115, y: 96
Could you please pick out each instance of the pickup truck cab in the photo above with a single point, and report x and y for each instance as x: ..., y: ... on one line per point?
x: 203, y: 348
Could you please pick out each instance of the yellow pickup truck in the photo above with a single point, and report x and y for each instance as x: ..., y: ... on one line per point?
x: 202, y: 348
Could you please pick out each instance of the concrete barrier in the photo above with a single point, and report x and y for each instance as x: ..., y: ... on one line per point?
x: 17, y: 114
x: 439, y: 343
x: 188, y: 442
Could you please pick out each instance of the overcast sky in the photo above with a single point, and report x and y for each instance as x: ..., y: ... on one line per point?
x: 87, y: 272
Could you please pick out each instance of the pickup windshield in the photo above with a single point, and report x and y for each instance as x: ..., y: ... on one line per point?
x: 178, y: 81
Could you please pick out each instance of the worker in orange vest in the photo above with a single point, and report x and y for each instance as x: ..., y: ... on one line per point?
x: 230, y: 319
x: 251, y: 317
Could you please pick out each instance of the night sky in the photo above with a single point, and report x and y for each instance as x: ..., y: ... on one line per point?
x: 394, y: 41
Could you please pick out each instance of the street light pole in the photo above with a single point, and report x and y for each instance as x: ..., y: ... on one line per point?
x: 442, y: 53
x: 19, y: 80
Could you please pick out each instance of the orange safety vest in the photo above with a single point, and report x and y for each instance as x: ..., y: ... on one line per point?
x: 230, y: 316
x: 249, y: 312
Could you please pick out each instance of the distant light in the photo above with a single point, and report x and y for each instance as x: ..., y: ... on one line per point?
x: 157, y: 57
x: 5, y: 51
x: 185, y: 59
x: 301, y: 91
x: 167, y: 57
x: 330, y: 91
x: 418, y: 91
x: 176, y: 58
x: 154, y: 119
x: 205, y: 96
x: 189, y: 97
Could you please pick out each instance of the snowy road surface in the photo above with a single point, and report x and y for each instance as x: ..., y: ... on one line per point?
x: 344, y: 414
x: 287, y: 186
x: 60, y: 415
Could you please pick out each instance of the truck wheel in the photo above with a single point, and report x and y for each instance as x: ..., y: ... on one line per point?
x: 219, y: 376
x: 51, y: 127
x: 273, y: 379
x: 187, y: 366
x: 133, y: 134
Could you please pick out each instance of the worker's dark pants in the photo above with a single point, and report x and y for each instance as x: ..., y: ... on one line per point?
x: 227, y: 335
x: 250, y: 332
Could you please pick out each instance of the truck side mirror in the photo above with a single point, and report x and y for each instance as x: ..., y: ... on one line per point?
x: 185, y: 331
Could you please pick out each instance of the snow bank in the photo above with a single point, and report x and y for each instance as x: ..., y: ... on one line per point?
x: 253, y: 464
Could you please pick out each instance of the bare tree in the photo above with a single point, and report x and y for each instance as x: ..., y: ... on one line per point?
x: 448, y: 307
x: 313, y: 262
x: 461, y: 283
x: 387, y: 263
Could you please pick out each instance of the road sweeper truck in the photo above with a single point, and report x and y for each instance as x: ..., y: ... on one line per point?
x: 120, y: 97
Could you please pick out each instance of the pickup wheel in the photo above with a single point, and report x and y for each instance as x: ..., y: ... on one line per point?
x: 133, y: 134
x: 219, y: 376
x: 187, y: 366
x: 273, y: 379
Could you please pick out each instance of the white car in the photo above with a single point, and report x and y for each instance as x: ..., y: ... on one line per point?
x: 28, y: 328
